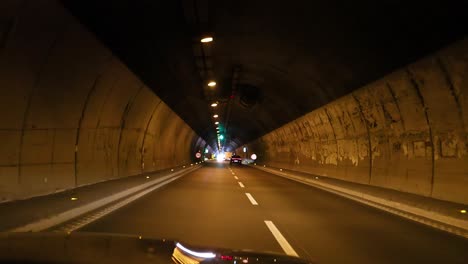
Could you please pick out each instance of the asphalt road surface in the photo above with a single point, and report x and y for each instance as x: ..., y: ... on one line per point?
x: 210, y: 207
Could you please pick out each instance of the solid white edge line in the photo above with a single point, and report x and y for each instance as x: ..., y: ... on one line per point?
x: 251, y: 199
x: 46, y: 223
x: 281, y: 239
x: 119, y: 205
x: 428, y: 218
x: 241, y: 184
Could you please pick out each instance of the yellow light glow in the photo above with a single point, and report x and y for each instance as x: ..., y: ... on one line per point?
x: 215, y: 116
x: 463, y: 211
x: 147, y: 177
x: 74, y: 198
x: 214, y: 105
x: 216, y: 122
x: 206, y: 39
x: 212, y: 84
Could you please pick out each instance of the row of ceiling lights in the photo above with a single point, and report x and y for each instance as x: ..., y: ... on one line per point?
x: 212, y: 84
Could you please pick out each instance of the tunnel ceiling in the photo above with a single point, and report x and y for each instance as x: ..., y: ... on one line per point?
x: 273, y: 61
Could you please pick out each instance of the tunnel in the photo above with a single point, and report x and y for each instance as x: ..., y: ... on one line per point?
x: 372, y: 94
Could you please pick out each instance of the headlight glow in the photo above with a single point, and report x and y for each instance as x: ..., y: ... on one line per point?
x: 194, y: 253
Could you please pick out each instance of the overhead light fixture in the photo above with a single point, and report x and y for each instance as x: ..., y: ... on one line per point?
x: 212, y: 84
x: 215, y: 116
x: 214, y: 104
x: 206, y: 39
x: 216, y: 122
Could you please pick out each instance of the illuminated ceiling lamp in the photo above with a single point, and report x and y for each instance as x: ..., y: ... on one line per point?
x: 214, y: 104
x: 211, y: 83
x: 215, y: 116
x: 207, y: 39
x: 216, y: 122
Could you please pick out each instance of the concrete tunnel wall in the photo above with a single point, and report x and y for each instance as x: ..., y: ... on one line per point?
x: 70, y: 112
x: 406, y: 131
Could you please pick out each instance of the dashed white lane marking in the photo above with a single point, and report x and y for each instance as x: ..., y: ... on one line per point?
x: 241, y: 184
x: 235, y: 177
x: 251, y: 199
x: 280, y: 238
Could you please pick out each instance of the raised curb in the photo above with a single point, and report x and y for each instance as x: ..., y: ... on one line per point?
x: 55, y: 220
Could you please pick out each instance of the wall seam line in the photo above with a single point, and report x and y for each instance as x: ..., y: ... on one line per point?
x: 31, y: 94
x: 452, y: 89
x: 146, y: 131
x: 431, y: 136
x: 122, y: 125
x: 395, y: 100
x: 369, y: 142
x: 80, y: 123
x: 334, y: 134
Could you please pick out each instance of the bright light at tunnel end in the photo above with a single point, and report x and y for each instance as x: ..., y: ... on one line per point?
x: 220, y: 157
x: 194, y: 253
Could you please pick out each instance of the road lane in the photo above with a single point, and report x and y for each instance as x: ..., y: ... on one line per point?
x: 206, y: 207
x: 332, y: 229
x: 270, y: 213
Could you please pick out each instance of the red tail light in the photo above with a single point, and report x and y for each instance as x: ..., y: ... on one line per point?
x: 226, y: 257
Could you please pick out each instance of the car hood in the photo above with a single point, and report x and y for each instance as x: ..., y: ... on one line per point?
x: 81, y: 247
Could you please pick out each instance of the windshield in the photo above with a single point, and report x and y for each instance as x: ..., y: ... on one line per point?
x: 196, y: 131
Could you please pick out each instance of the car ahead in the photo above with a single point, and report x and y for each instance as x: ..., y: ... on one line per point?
x: 236, y: 159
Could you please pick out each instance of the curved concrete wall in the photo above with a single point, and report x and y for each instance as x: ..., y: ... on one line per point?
x: 70, y: 112
x: 407, y: 131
